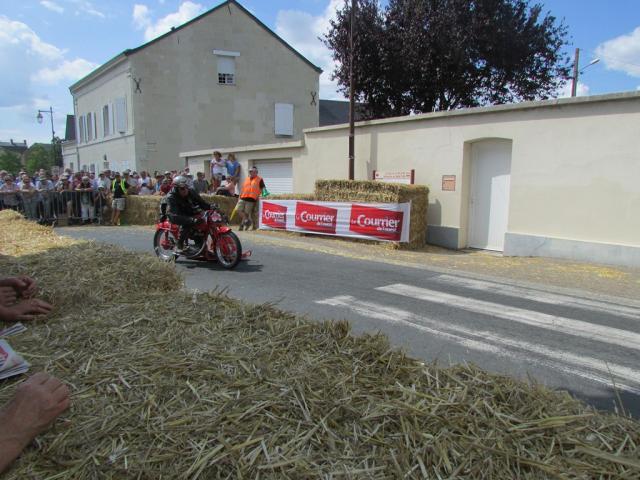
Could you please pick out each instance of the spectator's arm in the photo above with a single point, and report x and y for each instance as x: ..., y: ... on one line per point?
x: 36, y: 404
x: 25, y: 310
x: 23, y: 285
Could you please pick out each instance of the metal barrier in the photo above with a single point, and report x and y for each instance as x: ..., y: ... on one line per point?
x: 61, y: 208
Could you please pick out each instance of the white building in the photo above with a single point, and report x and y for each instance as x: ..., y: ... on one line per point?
x: 221, y: 79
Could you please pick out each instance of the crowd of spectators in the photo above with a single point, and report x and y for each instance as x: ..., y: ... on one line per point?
x: 85, y: 197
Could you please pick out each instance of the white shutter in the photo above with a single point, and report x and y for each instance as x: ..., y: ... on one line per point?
x: 277, y: 175
x: 112, y: 107
x: 89, y: 127
x: 105, y: 121
x: 121, y: 115
x: 284, y: 119
x: 80, y: 130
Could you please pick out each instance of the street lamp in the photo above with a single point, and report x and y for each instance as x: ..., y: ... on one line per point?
x: 577, y: 71
x: 40, y: 119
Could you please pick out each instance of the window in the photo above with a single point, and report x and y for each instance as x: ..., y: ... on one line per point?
x: 105, y: 120
x: 226, y: 66
x: 284, y: 119
x: 226, y: 70
x: 121, y: 114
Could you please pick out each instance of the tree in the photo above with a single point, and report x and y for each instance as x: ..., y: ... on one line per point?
x: 39, y: 157
x: 428, y: 55
x: 10, y: 162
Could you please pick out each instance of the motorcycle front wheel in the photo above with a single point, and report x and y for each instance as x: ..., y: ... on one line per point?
x: 228, y: 250
x: 163, y: 244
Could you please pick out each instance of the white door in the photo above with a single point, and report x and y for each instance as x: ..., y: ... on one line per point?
x: 489, y: 193
x: 277, y: 175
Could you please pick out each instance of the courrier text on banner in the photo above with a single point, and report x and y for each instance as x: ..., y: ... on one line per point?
x: 372, y: 221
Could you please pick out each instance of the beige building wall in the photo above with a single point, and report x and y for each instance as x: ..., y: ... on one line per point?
x: 118, y: 149
x: 575, y: 171
x: 182, y: 106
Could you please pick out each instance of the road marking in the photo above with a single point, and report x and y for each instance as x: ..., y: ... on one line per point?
x: 542, y: 297
x: 568, y: 326
x: 596, y: 370
x: 402, y: 317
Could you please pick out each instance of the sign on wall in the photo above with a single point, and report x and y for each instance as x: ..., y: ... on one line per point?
x: 448, y: 183
x: 406, y: 178
x: 372, y: 221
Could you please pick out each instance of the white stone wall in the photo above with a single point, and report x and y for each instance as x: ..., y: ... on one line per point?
x: 575, y: 170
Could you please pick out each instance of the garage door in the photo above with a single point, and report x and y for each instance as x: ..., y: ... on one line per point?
x: 277, y: 175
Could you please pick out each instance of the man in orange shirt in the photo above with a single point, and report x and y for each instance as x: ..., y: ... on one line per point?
x: 249, y: 194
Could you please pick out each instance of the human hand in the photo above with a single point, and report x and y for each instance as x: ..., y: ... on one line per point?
x: 37, y: 402
x: 26, y: 310
x: 8, y: 296
x: 23, y: 285
x: 27, y: 286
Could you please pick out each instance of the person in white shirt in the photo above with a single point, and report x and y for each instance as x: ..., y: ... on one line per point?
x: 218, y: 170
x: 30, y: 198
x: 45, y: 188
x: 103, y: 181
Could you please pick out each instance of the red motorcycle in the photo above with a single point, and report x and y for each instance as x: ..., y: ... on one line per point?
x: 211, y: 240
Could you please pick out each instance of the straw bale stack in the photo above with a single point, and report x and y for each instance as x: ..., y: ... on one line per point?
x: 381, y: 192
x: 141, y: 210
x: 171, y: 384
x: 144, y: 209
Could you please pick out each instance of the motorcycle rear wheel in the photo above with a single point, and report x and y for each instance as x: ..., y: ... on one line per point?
x: 164, y: 236
x: 228, y: 250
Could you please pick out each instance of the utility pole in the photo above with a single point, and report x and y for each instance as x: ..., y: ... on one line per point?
x: 574, y: 83
x: 351, y: 102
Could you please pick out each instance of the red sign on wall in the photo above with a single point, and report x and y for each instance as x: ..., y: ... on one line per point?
x: 274, y: 215
x: 316, y: 218
x: 376, y: 222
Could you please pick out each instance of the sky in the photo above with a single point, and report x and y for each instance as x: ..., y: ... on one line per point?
x: 46, y: 45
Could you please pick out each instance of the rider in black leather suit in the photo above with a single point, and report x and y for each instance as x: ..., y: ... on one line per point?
x: 183, y: 204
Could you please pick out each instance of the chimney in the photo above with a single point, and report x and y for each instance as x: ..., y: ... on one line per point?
x: 11, y: 140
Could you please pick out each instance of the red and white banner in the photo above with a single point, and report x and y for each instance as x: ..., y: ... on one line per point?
x: 372, y: 221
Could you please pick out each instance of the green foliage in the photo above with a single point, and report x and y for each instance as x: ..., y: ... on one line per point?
x: 39, y: 157
x: 10, y: 162
x: 428, y: 55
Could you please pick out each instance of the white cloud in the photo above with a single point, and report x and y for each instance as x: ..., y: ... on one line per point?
x: 142, y: 20
x: 301, y: 30
x: 69, y: 71
x: 84, y: 6
x: 141, y: 16
x: 33, y: 64
x: 581, y: 91
x: 53, y: 6
x: 622, y: 53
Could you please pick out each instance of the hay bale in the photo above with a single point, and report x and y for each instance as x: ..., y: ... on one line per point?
x: 169, y: 384
x: 381, y: 192
x: 144, y: 209
x: 141, y: 210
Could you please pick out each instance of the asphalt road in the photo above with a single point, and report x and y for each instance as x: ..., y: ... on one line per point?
x: 570, y: 342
